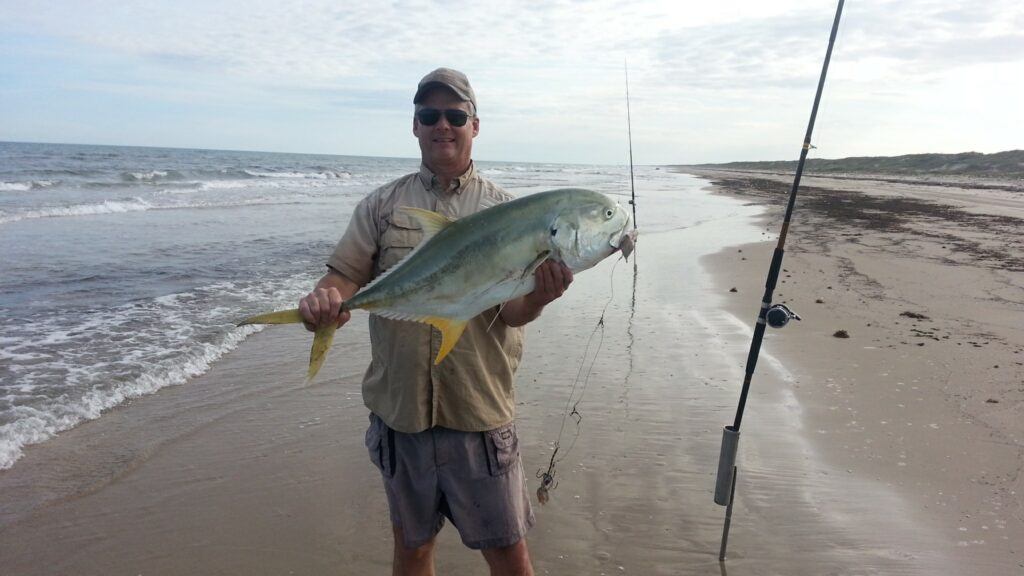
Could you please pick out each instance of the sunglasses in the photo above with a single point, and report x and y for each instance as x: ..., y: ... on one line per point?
x: 431, y: 116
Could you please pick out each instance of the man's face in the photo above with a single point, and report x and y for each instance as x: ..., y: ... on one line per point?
x: 442, y: 145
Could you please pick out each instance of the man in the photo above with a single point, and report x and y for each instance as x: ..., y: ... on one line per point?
x: 442, y: 436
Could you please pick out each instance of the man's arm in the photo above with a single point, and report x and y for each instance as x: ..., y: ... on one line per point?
x: 322, y: 306
x: 551, y: 279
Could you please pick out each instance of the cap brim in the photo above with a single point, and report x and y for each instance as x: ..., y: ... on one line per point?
x: 422, y: 92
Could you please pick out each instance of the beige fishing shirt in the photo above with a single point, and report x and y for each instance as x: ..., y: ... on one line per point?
x: 471, y: 389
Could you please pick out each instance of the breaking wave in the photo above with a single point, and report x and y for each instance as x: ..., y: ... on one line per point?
x: 324, y: 174
x: 106, y: 207
x: 139, y: 205
x: 26, y: 186
x: 152, y: 176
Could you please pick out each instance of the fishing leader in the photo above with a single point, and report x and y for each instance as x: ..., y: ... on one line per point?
x: 444, y: 436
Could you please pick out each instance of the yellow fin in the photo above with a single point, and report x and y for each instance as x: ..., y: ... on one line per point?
x: 431, y: 222
x: 450, y: 329
x: 280, y: 317
x: 321, y: 343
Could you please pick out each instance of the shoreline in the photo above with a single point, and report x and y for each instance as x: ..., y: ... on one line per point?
x: 971, y: 182
x: 926, y: 395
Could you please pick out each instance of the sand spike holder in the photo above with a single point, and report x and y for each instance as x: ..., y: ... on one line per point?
x: 775, y: 315
x: 725, y: 487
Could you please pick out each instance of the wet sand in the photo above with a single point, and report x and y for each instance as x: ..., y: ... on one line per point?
x: 869, y: 455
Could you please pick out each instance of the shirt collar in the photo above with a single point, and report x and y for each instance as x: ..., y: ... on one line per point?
x: 429, y: 179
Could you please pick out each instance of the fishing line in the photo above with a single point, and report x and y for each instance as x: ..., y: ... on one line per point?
x: 632, y: 203
x: 630, y: 341
x: 547, y: 477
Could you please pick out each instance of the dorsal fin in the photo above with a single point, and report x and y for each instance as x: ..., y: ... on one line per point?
x: 431, y: 222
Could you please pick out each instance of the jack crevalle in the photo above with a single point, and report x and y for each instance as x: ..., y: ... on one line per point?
x: 465, y: 266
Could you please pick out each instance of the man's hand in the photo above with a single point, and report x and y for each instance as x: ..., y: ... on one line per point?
x: 550, y: 281
x: 322, y: 306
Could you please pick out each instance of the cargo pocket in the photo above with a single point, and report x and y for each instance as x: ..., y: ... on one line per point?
x: 402, y: 235
x: 502, y: 449
x: 380, y: 444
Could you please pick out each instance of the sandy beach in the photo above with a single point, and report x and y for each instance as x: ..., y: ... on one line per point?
x: 926, y: 396
x: 898, y: 450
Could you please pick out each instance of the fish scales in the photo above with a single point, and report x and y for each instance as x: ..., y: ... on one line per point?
x: 464, y: 267
x: 465, y: 255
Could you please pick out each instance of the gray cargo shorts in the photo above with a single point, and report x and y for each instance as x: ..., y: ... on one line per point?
x: 475, y: 479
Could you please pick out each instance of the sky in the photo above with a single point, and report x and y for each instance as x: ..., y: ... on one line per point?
x: 708, y: 81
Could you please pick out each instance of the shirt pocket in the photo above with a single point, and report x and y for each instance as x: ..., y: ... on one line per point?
x: 401, y: 236
x: 502, y: 449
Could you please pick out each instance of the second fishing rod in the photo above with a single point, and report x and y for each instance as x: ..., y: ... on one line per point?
x: 776, y: 316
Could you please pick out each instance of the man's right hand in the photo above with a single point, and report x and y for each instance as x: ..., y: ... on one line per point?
x: 322, y: 306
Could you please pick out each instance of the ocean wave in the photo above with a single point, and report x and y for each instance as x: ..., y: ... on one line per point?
x: 234, y: 184
x: 225, y: 184
x: 34, y: 425
x: 140, y: 205
x: 152, y: 176
x: 208, y: 178
x: 105, y: 207
x: 26, y: 186
x: 144, y: 346
x: 325, y: 174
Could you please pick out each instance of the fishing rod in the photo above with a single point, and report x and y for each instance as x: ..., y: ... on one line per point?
x: 629, y: 133
x: 776, y: 316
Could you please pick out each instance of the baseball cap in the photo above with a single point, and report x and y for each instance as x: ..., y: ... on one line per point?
x: 452, y: 79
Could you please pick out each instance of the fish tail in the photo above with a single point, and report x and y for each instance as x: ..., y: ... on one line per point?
x: 321, y: 340
x: 280, y: 317
x: 321, y: 343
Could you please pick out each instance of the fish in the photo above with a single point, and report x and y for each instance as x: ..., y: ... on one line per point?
x: 462, y: 267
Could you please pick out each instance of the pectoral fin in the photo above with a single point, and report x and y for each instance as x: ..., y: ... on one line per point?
x: 527, y: 272
x: 532, y: 267
x: 450, y: 329
x: 280, y: 317
x: 321, y: 343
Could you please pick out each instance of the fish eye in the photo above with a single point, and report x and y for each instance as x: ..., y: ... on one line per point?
x: 608, y: 213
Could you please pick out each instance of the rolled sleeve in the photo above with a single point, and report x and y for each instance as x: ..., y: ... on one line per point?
x: 356, y: 252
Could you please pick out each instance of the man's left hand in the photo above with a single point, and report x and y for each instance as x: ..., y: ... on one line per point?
x: 551, y: 279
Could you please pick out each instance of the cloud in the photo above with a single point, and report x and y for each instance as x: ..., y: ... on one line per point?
x: 554, y: 69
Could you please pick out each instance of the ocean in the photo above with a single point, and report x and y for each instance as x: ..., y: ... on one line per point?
x: 123, y: 270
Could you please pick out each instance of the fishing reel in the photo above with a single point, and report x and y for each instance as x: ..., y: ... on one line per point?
x: 778, y: 315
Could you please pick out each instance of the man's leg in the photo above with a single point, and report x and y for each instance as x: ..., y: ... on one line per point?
x: 485, y: 490
x: 412, y: 561
x: 511, y: 560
